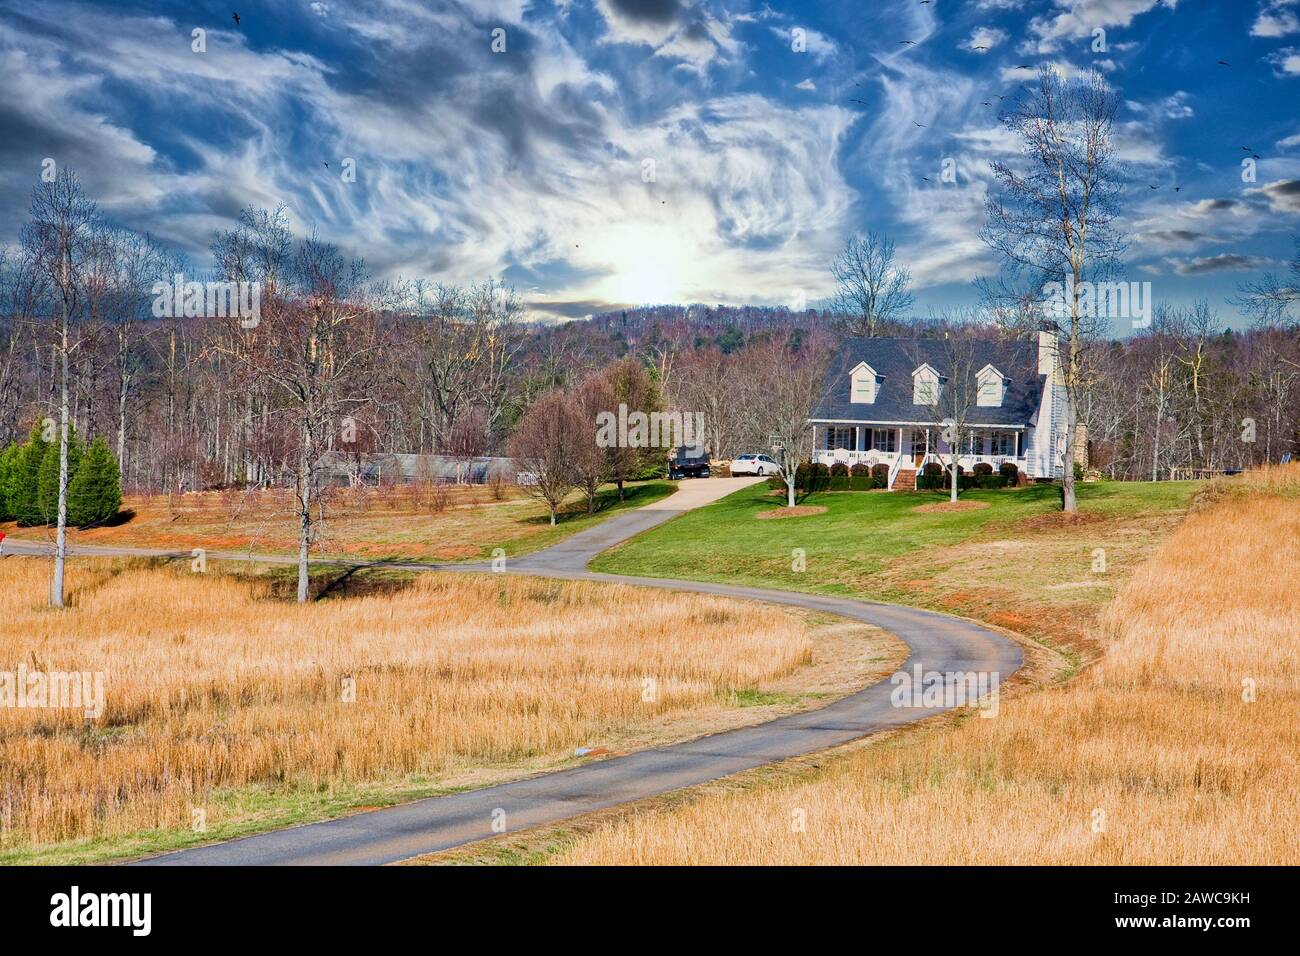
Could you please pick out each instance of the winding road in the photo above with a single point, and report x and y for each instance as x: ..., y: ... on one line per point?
x: 936, y: 642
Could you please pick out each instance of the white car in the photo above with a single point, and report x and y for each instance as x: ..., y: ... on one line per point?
x: 760, y: 465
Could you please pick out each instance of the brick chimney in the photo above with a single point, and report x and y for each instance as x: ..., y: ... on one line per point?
x: 1048, y: 353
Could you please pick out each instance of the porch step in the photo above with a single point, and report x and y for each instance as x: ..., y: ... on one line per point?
x: 905, y: 480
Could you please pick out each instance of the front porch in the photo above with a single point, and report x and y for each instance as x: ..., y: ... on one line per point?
x: 907, y: 448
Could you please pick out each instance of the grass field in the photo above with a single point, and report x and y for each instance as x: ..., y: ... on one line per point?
x: 455, y: 523
x: 1017, y: 563
x: 223, y: 700
x: 1180, y: 746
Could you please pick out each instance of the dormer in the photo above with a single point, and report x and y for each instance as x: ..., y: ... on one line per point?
x: 926, y: 385
x: 864, y: 384
x: 992, y: 387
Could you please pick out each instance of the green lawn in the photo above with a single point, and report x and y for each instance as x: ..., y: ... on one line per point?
x: 859, y: 535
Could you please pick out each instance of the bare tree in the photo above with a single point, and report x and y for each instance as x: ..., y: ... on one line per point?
x: 594, y: 464
x: 61, y: 236
x: 630, y: 384
x: 871, y: 288
x: 1269, y: 300
x: 787, y: 387
x: 314, y: 342
x: 545, y: 445
x: 707, y: 381
x: 949, y: 387
x: 1052, y: 219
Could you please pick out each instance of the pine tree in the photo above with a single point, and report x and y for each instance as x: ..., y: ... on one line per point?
x: 47, y: 481
x: 94, y: 493
x: 24, y: 479
x: 8, y: 461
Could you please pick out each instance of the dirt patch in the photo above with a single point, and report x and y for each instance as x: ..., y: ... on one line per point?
x: 1061, y: 519
x: 951, y: 506
x: 798, y: 511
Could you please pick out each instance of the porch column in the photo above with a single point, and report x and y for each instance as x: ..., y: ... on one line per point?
x: 898, y: 445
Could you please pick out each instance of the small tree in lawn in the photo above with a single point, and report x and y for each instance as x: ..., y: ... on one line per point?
x: 545, y: 444
x: 95, y: 493
x: 595, y: 463
x: 788, y: 384
x: 950, y: 391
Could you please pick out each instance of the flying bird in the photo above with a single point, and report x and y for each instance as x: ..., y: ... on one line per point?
x: 915, y: 123
x: 987, y: 103
x: 1224, y: 63
x: 236, y: 18
x: 327, y: 165
x: 913, y: 42
x: 1178, y: 189
x: 926, y: 178
x: 979, y: 48
x: 1155, y: 187
x: 1024, y: 66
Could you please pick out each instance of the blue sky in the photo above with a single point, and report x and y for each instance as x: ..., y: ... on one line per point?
x: 627, y: 151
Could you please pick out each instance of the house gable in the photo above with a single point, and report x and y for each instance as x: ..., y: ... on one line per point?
x: 991, y: 387
x: 862, y: 384
x: 927, y: 385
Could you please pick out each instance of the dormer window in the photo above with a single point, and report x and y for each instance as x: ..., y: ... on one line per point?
x: 927, y: 385
x: 992, y: 387
x: 864, y: 384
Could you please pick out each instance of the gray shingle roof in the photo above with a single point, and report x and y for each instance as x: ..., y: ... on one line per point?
x: 897, y: 359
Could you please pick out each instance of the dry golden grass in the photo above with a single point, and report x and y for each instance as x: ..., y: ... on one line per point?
x: 1152, y: 756
x: 210, y: 683
x: 439, y: 523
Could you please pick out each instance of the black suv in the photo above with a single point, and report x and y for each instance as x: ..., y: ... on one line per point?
x: 688, y: 462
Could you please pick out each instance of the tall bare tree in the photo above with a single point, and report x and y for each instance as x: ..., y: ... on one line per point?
x: 1052, y: 217
x: 62, y: 238
x: 870, y: 287
x: 315, y: 343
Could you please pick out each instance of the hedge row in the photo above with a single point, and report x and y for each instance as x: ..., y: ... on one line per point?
x: 811, y: 477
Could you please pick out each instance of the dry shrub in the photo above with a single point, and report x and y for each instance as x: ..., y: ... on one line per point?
x: 1153, y: 756
x: 212, y: 684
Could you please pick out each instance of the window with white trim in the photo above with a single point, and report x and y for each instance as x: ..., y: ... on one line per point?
x: 839, y: 436
x: 884, y: 439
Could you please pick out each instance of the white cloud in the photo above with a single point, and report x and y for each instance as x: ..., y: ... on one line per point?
x: 1286, y: 61
x: 984, y: 39
x: 1081, y: 17
x: 806, y: 85
x: 1276, y: 19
